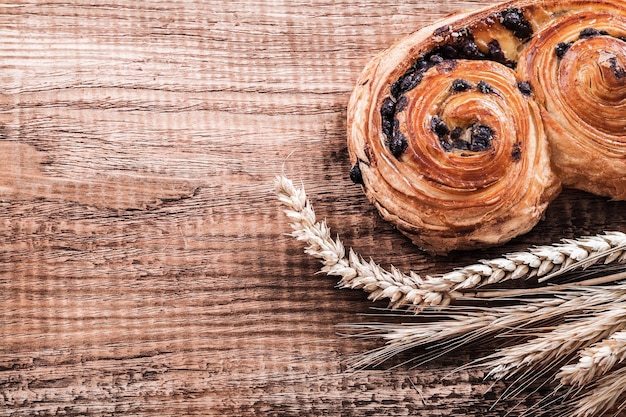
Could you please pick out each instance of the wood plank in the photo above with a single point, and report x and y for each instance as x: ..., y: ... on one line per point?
x: 144, y: 268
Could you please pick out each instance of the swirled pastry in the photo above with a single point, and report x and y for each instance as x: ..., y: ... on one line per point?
x: 577, y: 68
x: 451, y: 130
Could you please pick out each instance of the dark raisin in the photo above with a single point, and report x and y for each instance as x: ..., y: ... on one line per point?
x: 406, y: 83
x: 401, y: 104
x: 396, y: 88
x: 447, y: 146
x: 388, y: 108
x: 387, y: 127
x: 510, y: 64
x: 561, y: 48
x: 436, y: 59
x: 459, y: 85
x: 513, y: 19
x: 524, y: 31
x: 481, y: 138
x: 442, y: 31
x: 456, y: 133
x: 439, y: 127
x: 470, y: 50
x: 419, y: 64
x: 591, y: 32
x: 411, y: 78
x: 447, y: 52
x: 484, y: 87
x: 398, y: 144
x: 456, y: 141
x: 387, y: 113
x: 516, y: 153
x: 525, y: 88
x: 411, y: 81
x: 495, y: 51
x: 618, y: 70
x: 460, y: 145
x: 496, y: 54
x: 355, y: 174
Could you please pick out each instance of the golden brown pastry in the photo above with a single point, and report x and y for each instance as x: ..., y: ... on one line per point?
x: 446, y: 127
x: 578, y: 71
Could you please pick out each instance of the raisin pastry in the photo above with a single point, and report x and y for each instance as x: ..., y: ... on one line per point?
x: 447, y: 141
x: 577, y: 67
x: 458, y: 131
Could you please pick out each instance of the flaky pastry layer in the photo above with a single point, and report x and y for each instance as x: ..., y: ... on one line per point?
x: 463, y: 132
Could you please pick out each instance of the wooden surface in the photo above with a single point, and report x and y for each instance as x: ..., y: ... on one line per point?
x: 144, y: 268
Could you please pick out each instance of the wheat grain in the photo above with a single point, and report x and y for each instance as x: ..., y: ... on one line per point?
x: 560, y: 343
x: 400, y: 289
x: 413, y: 291
x: 503, y: 293
x: 602, y: 396
x: 542, y: 261
x: 596, y: 360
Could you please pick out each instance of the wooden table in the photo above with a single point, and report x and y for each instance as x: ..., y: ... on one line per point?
x: 144, y: 266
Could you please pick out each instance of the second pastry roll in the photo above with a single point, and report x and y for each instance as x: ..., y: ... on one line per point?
x: 578, y: 70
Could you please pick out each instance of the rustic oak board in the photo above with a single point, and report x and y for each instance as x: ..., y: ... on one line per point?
x: 144, y: 267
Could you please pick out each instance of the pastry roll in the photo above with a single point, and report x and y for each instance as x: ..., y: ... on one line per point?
x: 461, y: 133
x: 447, y: 140
x: 577, y: 68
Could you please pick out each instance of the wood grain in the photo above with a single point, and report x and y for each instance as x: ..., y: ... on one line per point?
x: 144, y: 268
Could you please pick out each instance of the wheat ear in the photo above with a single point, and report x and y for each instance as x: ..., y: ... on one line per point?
x: 596, y: 360
x: 552, y: 346
x: 602, y: 396
x: 400, y: 289
x: 415, y: 292
x: 454, y: 330
x: 459, y: 326
x: 545, y: 262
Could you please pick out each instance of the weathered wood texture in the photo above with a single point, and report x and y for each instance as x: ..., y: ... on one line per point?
x: 143, y: 264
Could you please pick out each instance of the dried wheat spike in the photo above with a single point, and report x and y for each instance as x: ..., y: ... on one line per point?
x: 416, y: 293
x: 602, y: 396
x: 454, y: 328
x: 542, y: 261
x: 596, y: 360
x: 457, y: 326
x: 543, y: 351
x: 402, y: 290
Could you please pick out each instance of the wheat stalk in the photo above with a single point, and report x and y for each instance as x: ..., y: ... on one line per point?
x: 553, y: 346
x: 415, y: 292
x: 602, y: 396
x: 461, y: 328
x: 569, y: 319
x: 596, y: 360
x: 462, y: 325
x: 546, y: 262
x: 400, y: 289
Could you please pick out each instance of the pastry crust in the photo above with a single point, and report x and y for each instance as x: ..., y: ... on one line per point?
x: 582, y: 94
x: 458, y: 130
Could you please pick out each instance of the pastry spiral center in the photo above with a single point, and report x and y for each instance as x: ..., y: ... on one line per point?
x: 462, y: 126
x: 593, y: 75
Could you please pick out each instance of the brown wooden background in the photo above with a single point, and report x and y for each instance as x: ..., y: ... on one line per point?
x: 144, y: 268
